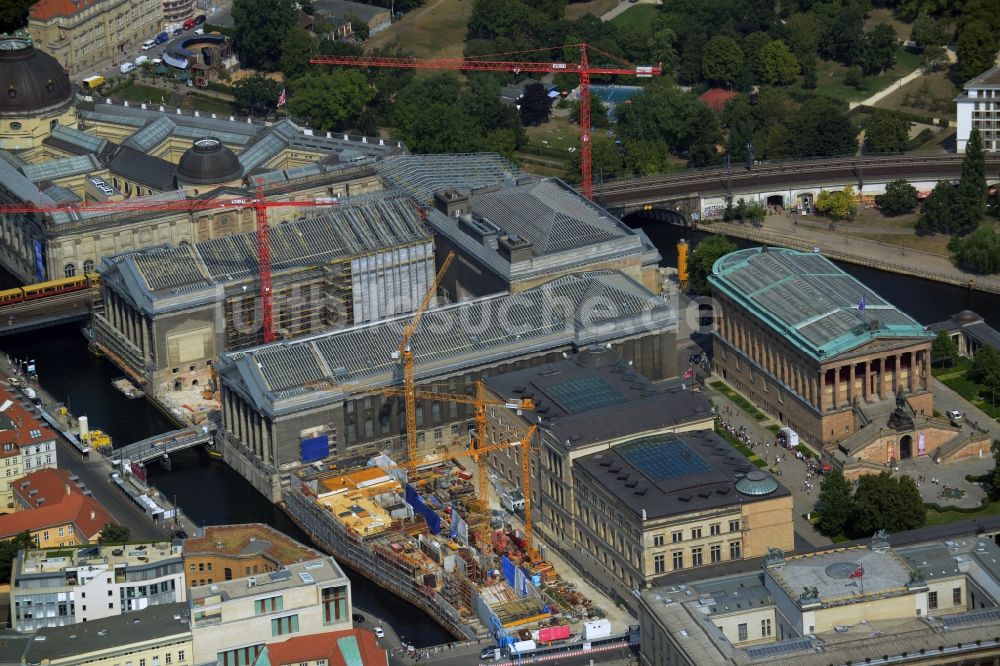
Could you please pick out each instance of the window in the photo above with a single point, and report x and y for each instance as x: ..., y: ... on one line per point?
x: 168, y: 659
x: 228, y: 573
x: 734, y: 550
x: 932, y: 600
x: 659, y: 563
x: 696, y: 557
x: 281, y: 626
x: 734, y: 526
x: 334, y: 604
x: 201, y: 566
x: 15, y: 126
x: 714, y: 529
x: 268, y: 605
x: 237, y: 657
x: 742, y: 631
x: 62, y: 531
x: 209, y: 566
x: 180, y: 655
x: 658, y: 540
x: 69, y: 270
x: 678, y: 560
x: 677, y: 536
x: 88, y: 266
x: 956, y: 596
x: 142, y: 662
x: 45, y: 535
x: 696, y: 533
x: 765, y: 628
x: 715, y: 553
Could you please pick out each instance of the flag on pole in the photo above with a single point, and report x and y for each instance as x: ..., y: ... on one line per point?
x: 858, y: 572
x: 861, y: 303
x: 282, y: 99
x: 689, y: 373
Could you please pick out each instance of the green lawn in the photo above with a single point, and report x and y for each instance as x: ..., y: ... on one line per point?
x: 740, y: 446
x: 739, y: 400
x: 957, y: 380
x: 138, y: 92
x: 935, y: 517
x: 197, y: 102
x: 636, y: 17
x: 830, y: 77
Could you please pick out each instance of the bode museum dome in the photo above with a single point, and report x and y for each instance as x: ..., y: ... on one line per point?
x: 35, y: 94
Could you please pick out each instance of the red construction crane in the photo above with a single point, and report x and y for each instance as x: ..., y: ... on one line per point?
x: 478, y: 64
x: 257, y: 202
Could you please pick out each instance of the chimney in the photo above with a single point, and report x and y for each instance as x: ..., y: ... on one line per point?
x: 68, y: 492
x: 93, y: 514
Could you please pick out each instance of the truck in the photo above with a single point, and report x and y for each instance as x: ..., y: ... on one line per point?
x: 510, y: 498
x: 520, y: 647
x: 594, y: 629
x: 93, y: 82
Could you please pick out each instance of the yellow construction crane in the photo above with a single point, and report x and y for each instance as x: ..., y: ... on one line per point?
x: 479, y: 453
x: 405, y: 355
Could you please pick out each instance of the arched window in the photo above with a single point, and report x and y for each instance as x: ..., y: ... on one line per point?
x: 69, y: 270
x: 88, y: 266
x: 436, y: 412
x: 420, y: 415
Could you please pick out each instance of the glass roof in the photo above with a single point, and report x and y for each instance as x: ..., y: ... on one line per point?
x: 584, y: 394
x: 662, y: 457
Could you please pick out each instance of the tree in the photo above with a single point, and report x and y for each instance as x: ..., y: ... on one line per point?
x: 820, y: 129
x: 329, y: 97
x: 666, y: 115
x: 887, y: 132
x: 606, y: 158
x: 900, y: 198
x: 359, y: 27
x: 8, y: 551
x: 944, y: 348
x: 940, y: 210
x: 835, y: 504
x: 979, y: 252
x: 721, y: 60
x: 803, y: 35
x: 256, y: 95
x: 702, y: 258
x: 535, y: 105
x: 842, y: 205
x: 995, y: 477
x: 882, y: 502
x: 778, y: 66
x: 879, y: 49
x: 307, y: 7
x: 972, y: 185
x: 113, y: 533
x: 975, y: 48
x: 297, y: 48
x: 928, y: 31
x: 14, y: 14
x: 259, y: 30
x: 985, y: 367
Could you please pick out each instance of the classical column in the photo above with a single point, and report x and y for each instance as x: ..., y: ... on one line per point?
x: 897, y: 380
x: 821, y: 390
x: 866, y: 383
x: 850, y: 385
x: 911, y: 368
x: 927, y: 369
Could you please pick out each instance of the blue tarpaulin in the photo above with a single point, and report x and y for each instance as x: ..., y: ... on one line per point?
x: 433, y: 520
x: 314, y: 448
x: 508, y: 569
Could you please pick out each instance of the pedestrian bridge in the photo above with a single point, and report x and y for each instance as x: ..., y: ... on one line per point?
x: 162, y: 445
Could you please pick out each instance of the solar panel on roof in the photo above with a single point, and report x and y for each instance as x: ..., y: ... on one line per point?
x: 784, y: 647
x: 662, y: 457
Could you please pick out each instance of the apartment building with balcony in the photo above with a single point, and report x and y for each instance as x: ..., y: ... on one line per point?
x: 979, y: 108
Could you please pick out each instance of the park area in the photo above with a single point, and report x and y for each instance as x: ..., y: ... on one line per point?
x: 956, y: 377
x: 436, y: 30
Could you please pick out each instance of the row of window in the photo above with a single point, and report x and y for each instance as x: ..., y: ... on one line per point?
x: 697, y: 557
x: 956, y: 598
x: 168, y: 658
x: 765, y: 629
x: 69, y: 270
x: 714, y: 529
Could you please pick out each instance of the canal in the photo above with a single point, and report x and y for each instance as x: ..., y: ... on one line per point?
x: 212, y: 494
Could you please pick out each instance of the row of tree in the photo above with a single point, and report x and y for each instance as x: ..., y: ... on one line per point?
x: 880, y: 502
x: 957, y: 209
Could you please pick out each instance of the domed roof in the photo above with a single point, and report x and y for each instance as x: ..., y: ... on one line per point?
x: 756, y: 483
x: 966, y: 317
x: 208, y: 162
x: 31, y: 80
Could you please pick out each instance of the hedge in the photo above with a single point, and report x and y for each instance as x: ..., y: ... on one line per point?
x: 739, y: 400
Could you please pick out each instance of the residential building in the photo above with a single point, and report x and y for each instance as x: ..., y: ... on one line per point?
x: 321, y: 393
x: 978, y: 107
x: 332, y: 648
x: 927, y: 603
x: 584, y: 404
x: 177, y: 11
x: 225, y: 552
x: 969, y: 331
x: 13, y: 469
x: 340, y: 12
x: 232, y: 621
x: 831, y: 359
x: 155, y: 636
x: 82, y: 34
x: 52, y: 589
x: 55, y: 509
x: 25, y: 444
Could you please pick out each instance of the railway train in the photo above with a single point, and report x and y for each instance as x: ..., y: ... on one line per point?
x: 51, y: 288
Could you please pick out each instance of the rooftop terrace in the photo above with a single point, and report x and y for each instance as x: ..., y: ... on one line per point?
x: 248, y: 540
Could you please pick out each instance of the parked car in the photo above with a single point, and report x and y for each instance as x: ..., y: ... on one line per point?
x: 955, y: 416
x: 378, y: 632
x: 488, y: 652
x: 188, y: 24
x: 126, y: 67
x: 141, y: 60
x: 199, y: 19
x: 148, y: 44
x: 162, y: 37
x: 359, y: 618
x: 178, y: 31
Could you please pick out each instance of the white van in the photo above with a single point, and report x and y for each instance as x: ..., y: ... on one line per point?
x: 148, y: 44
x: 126, y: 67
x: 141, y: 59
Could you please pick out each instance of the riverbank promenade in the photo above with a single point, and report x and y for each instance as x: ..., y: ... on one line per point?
x: 840, y: 244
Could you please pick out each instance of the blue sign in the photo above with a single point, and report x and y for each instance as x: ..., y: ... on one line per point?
x: 40, y: 261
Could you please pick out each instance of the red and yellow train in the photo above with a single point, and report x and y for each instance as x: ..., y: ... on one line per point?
x: 31, y: 292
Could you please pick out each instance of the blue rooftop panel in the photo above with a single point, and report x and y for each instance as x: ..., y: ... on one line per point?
x: 809, y: 301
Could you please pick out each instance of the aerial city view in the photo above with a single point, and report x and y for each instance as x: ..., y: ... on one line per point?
x: 467, y: 332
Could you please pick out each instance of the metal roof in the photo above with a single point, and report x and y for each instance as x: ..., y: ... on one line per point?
x: 809, y: 301
x: 462, y: 335
x: 60, y: 168
x: 423, y: 175
x: 89, y: 142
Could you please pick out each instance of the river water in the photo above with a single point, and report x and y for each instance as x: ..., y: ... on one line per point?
x: 212, y: 494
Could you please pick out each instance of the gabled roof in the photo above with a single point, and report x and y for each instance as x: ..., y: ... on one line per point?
x: 139, y: 167
x: 809, y: 301
x: 63, y: 504
x: 43, y: 10
x: 354, y: 647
